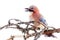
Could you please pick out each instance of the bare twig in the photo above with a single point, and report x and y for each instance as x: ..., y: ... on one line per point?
x: 26, y: 30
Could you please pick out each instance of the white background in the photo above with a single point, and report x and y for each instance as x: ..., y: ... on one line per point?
x: 9, y: 9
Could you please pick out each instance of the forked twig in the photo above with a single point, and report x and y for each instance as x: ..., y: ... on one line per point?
x: 26, y: 30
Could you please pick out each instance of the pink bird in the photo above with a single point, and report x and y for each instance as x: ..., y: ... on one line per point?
x: 36, y: 16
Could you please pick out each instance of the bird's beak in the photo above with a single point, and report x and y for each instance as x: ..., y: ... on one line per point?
x: 30, y: 10
x: 26, y: 9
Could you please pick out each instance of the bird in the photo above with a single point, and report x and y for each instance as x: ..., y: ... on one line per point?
x: 36, y: 16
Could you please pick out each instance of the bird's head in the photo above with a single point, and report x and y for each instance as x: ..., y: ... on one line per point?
x: 32, y: 9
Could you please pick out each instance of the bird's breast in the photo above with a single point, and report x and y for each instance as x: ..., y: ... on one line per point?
x: 36, y: 16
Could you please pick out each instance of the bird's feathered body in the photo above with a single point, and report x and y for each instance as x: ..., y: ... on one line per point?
x: 36, y: 16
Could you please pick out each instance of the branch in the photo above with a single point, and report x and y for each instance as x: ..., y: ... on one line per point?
x: 26, y: 30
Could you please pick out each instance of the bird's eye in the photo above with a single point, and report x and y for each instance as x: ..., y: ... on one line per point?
x: 31, y: 8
